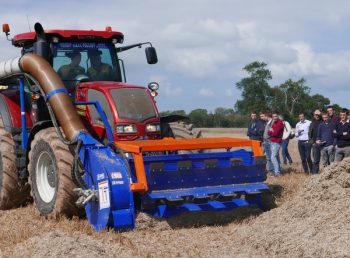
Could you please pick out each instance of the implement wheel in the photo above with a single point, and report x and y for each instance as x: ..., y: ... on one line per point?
x: 268, y: 201
x: 11, y: 194
x: 50, y: 166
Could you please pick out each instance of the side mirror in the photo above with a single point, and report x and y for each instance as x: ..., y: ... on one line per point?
x: 151, y: 55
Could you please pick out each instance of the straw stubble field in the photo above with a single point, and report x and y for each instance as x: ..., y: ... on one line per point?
x: 311, y: 220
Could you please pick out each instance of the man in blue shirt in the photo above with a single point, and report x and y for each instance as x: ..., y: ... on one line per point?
x: 255, y: 128
x: 325, y: 138
x: 342, y: 149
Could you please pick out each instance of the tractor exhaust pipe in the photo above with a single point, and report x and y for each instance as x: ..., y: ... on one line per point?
x: 41, y: 46
x: 53, y: 87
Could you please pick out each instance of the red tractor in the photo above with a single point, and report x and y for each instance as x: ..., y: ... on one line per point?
x: 104, y: 137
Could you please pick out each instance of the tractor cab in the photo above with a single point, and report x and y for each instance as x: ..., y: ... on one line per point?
x: 81, y: 54
x: 87, y: 62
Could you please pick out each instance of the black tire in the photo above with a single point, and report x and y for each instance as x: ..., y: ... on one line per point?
x: 181, y: 130
x: 50, y: 166
x: 184, y: 130
x: 11, y: 194
x: 268, y: 201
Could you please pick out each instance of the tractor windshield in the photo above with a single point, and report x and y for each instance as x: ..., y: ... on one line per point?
x: 89, y: 61
x: 133, y: 104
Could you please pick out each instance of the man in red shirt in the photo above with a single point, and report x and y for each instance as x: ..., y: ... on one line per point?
x: 276, y: 134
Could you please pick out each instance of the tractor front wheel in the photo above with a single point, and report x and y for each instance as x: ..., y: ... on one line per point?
x: 50, y: 166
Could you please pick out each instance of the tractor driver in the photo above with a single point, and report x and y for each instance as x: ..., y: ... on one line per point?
x: 70, y: 71
x: 99, y: 71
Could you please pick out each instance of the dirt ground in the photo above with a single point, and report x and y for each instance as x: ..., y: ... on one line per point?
x: 311, y: 220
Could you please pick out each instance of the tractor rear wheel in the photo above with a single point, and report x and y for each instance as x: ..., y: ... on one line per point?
x: 11, y: 194
x: 181, y: 130
x: 50, y: 166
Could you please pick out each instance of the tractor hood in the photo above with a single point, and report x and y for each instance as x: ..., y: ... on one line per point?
x: 127, y: 101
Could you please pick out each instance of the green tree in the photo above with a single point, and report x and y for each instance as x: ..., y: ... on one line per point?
x: 175, y: 112
x: 319, y: 101
x: 199, y: 117
x: 256, y: 92
x: 295, y: 97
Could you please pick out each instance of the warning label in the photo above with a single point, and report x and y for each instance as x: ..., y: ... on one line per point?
x: 116, y: 175
x: 103, y: 194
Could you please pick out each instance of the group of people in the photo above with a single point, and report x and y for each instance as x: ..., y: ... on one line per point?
x: 326, y: 138
x: 274, y: 133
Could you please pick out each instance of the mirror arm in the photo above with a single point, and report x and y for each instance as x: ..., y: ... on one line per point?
x: 121, y: 49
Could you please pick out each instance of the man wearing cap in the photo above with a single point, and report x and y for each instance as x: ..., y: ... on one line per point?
x: 70, y: 71
x: 99, y: 71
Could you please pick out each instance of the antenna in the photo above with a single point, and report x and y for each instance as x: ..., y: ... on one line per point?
x: 28, y: 23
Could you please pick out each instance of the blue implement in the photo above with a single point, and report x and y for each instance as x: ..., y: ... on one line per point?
x: 201, y: 182
x: 107, y: 175
x: 176, y: 183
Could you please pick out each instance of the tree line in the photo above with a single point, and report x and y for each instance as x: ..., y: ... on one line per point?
x: 289, y: 98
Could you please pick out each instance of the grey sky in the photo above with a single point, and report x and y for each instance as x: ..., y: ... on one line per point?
x: 203, y: 45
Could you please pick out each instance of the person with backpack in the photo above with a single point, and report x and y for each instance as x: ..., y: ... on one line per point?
x: 288, y: 134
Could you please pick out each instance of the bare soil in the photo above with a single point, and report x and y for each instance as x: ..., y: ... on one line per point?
x: 311, y: 220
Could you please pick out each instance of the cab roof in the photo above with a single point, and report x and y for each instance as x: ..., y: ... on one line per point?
x: 28, y: 38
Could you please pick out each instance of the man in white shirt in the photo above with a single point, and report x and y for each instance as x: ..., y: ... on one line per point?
x: 304, y: 146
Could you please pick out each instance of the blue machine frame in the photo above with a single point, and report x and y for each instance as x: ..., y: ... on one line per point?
x: 102, y: 114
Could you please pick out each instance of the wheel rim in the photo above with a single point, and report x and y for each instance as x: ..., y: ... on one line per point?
x: 45, y: 177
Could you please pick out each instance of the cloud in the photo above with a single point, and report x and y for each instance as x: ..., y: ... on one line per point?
x: 202, y: 43
x: 205, y: 92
